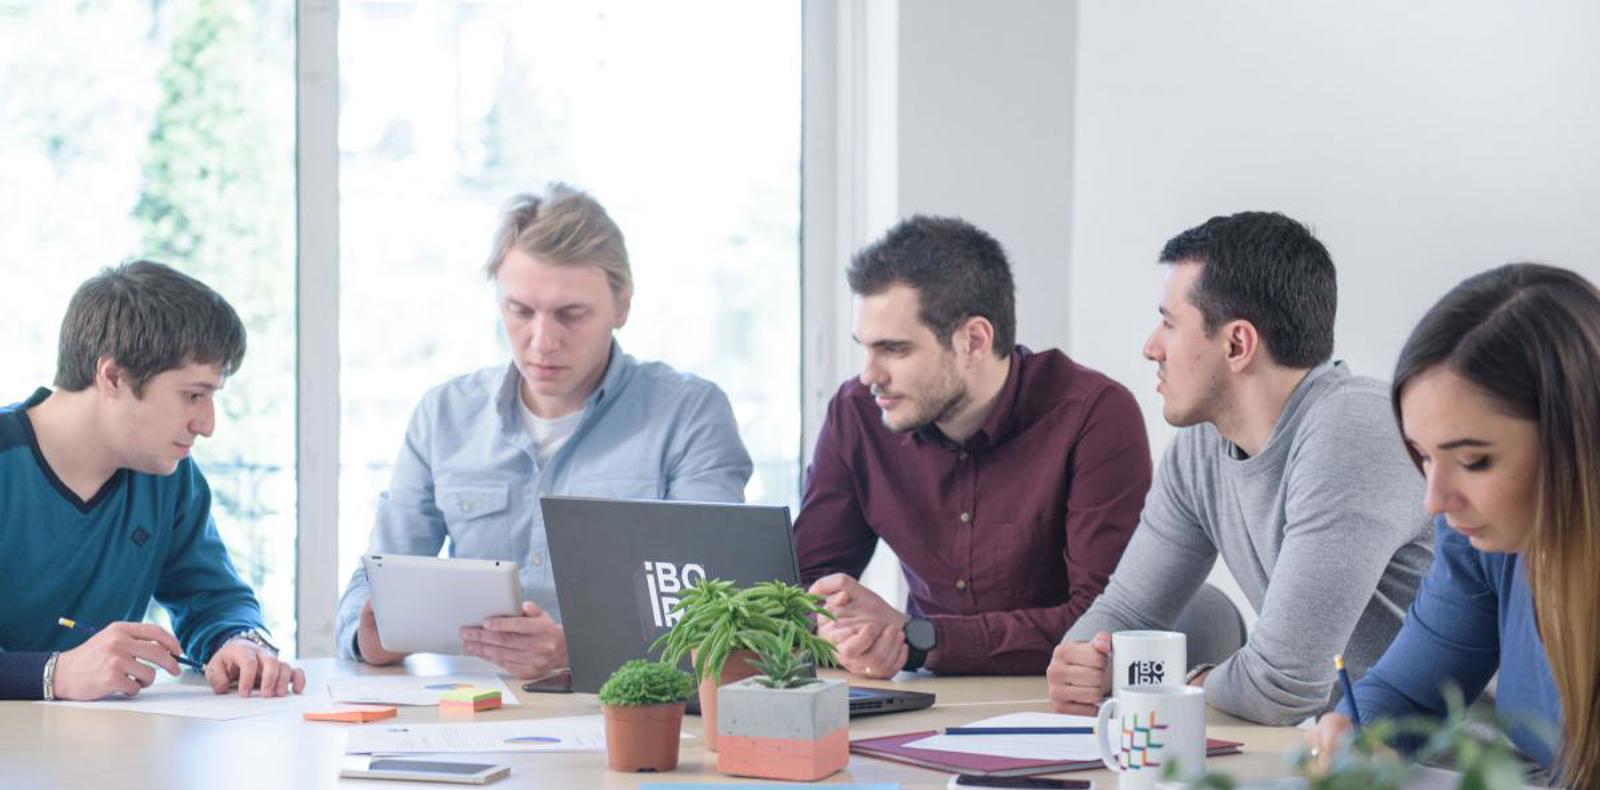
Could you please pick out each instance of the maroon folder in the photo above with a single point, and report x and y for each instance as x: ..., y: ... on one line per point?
x: 892, y: 747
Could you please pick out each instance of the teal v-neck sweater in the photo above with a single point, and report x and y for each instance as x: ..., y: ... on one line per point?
x: 101, y: 561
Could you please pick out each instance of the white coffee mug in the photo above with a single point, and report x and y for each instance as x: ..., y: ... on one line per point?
x: 1154, y: 726
x: 1148, y: 658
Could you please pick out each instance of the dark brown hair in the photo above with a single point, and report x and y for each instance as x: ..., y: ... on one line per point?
x: 149, y: 318
x: 959, y: 272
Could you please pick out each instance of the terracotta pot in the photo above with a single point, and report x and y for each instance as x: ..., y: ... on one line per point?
x: 736, y: 668
x: 643, y: 737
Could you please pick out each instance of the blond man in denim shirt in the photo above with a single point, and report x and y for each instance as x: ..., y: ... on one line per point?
x: 570, y: 414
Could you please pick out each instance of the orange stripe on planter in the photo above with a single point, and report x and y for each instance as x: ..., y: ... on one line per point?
x: 784, y: 758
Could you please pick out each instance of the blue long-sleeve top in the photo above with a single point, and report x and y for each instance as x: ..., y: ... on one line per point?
x: 468, y: 476
x: 1473, y: 615
x: 102, y: 560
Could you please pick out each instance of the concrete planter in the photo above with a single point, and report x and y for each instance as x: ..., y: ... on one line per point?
x: 799, y: 734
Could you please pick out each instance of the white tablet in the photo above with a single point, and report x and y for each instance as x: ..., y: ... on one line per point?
x: 423, y: 602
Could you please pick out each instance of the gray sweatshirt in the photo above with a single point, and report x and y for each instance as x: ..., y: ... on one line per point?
x: 1324, y: 530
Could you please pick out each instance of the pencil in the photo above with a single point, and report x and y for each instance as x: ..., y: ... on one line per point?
x: 1019, y: 731
x: 73, y: 625
x: 1349, y: 691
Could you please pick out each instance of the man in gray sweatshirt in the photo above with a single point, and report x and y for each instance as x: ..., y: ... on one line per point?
x: 1287, y: 465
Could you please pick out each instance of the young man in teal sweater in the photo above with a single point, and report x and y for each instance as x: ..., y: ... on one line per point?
x: 101, y: 507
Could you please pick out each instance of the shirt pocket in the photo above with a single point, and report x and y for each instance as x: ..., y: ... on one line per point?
x: 478, y: 519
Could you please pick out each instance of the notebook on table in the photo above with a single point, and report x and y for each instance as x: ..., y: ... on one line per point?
x: 892, y: 747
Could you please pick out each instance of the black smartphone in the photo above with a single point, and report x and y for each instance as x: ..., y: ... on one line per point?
x: 1030, y: 782
x: 557, y: 685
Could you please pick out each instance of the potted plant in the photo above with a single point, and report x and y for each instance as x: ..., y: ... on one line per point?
x: 783, y: 724
x: 643, y: 703
x: 722, y: 627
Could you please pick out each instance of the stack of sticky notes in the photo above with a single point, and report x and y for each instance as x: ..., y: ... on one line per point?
x: 468, y: 700
x: 354, y: 714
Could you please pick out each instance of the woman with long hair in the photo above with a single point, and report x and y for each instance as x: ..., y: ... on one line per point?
x: 1497, y: 392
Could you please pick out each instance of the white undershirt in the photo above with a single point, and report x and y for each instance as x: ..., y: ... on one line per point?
x: 549, y: 435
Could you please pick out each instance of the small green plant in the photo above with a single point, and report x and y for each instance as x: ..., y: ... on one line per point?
x: 782, y: 666
x: 715, y: 619
x: 641, y: 682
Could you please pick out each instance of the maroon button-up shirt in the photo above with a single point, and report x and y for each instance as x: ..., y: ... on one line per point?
x: 1004, y: 539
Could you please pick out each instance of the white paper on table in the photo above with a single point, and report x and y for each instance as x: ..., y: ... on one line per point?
x: 566, y: 734
x: 194, y: 699
x: 411, y: 689
x: 1022, y: 747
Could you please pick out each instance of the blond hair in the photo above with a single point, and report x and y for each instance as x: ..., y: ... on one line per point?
x: 1528, y: 335
x: 564, y: 226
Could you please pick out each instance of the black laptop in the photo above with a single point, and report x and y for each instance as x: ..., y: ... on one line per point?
x: 620, y: 565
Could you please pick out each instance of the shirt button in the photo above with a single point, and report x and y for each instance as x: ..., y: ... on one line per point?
x: 466, y: 507
x: 966, y: 517
x: 961, y: 457
x: 961, y: 584
x: 537, y: 560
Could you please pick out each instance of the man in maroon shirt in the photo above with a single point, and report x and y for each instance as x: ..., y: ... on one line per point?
x: 1007, y: 481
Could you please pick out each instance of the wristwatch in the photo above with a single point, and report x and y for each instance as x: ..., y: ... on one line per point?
x: 252, y: 635
x: 921, y: 638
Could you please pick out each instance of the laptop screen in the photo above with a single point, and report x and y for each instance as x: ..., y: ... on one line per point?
x: 620, y: 565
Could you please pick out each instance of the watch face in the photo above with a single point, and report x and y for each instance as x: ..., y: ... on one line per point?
x: 920, y: 633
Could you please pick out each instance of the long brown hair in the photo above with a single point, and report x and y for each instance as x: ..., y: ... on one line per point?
x: 1528, y: 335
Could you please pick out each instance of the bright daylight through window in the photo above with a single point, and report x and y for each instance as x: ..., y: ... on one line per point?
x: 165, y: 130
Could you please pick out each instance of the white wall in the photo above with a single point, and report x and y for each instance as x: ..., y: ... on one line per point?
x: 986, y: 131
x: 1423, y: 141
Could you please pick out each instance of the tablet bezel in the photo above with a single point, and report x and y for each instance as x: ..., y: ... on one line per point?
x: 422, y: 603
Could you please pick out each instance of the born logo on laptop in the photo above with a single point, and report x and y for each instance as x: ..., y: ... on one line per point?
x: 664, y: 581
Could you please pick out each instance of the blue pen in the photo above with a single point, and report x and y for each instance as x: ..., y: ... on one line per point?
x: 1349, y: 691
x: 1019, y: 731
x: 74, y: 625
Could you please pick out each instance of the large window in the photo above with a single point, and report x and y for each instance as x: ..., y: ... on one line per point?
x: 165, y: 131
x: 689, y: 135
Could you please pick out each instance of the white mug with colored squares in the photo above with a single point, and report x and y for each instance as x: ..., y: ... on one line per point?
x: 1146, y: 728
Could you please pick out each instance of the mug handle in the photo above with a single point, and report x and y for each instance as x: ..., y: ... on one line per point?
x: 1101, y: 722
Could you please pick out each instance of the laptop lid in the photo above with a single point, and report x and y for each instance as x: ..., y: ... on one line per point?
x: 620, y: 565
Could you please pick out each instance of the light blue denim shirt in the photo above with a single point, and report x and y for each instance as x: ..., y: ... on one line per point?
x: 467, y: 470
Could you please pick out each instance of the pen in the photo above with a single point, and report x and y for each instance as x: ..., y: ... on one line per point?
x: 1349, y: 691
x: 1019, y: 731
x: 74, y: 625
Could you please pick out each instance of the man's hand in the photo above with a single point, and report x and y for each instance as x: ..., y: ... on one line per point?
x: 868, y: 633
x: 372, y: 650
x: 529, y: 646
x: 253, y: 668
x: 111, y: 662
x: 1080, y: 675
x: 874, y: 652
x: 853, y: 605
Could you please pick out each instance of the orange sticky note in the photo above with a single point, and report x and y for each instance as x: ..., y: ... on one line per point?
x: 354, y: 714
